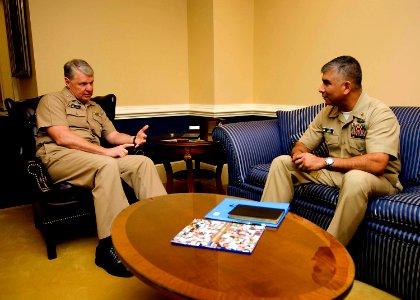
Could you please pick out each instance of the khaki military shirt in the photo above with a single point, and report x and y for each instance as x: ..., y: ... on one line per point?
x: 89, y: 120
x: 372, y: 127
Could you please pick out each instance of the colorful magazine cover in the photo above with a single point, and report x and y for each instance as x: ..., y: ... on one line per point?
x: 220, y: 235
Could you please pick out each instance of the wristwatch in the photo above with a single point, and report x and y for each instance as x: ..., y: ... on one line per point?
x: 329, y: 161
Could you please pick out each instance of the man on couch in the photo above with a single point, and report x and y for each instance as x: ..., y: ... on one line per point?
x: 362, y: 136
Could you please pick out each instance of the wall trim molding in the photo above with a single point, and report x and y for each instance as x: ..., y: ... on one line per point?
x: 215, y: 111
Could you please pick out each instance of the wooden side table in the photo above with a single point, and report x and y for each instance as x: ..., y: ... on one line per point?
x: 175, y: 149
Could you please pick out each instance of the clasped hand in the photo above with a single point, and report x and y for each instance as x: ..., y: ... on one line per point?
x: 119, y: 151
x: 306, y: 161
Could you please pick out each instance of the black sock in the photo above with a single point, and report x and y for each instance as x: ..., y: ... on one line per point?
x: 105, y: 242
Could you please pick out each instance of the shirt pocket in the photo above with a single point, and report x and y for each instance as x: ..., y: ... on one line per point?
x: 332, y: 142
x: 357, y: 147
x: 76, y: 117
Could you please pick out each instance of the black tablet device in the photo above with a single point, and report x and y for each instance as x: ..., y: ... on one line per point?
x: 256, y: 213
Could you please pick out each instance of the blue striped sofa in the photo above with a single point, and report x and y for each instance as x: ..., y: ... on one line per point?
x: 386, y: 247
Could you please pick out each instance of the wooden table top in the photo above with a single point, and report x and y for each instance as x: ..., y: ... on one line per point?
x: 177, y: 148
x: 297, y: 260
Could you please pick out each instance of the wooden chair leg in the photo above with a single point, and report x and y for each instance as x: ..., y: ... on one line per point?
x: 218, y: 179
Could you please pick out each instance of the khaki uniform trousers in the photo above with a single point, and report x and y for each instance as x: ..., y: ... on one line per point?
x: 103, y: 175
x: 356, y: 187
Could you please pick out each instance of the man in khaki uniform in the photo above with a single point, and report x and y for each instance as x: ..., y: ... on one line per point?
x: 362, y: 135
x: 69, y: 128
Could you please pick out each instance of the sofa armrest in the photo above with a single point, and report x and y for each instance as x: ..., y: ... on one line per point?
x: 248, y: 144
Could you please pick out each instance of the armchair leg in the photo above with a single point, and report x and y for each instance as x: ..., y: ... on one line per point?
x: 50, y: 242
x: 51, y: 250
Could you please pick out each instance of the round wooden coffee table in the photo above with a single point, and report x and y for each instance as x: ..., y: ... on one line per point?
x: 297, y: 260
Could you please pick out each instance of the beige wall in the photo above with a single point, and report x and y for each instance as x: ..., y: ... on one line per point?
x: 233, y: 51
x: 225, y: 52
x: 220, y: 45
x: 138, y: 48
x: 293, y: 39
x: 201, y: 51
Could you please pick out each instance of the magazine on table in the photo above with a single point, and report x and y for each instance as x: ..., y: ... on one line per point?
x: 220, y: 235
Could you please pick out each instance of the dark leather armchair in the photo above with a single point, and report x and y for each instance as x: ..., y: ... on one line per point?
x: 56, y: 206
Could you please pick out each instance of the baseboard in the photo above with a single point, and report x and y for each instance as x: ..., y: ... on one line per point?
x: 214, y: 111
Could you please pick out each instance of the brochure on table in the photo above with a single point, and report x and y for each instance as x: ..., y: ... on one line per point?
x: 220, y: 235
x: 221, y: 211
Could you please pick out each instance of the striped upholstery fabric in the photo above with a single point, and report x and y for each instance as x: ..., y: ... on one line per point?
x: 387, y: 258
x: 258, y: 175
x: 248, y: 144
x: 386, y: 247
x: 319, y: 194
x: 409, y: 119
x: 410, y: 153
x: 247, y: 192
x: 320, y: 215
x: 401, y: 210
x: 294, y: 123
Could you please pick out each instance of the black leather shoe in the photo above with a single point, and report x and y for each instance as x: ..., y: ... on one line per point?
x: 107, y: 258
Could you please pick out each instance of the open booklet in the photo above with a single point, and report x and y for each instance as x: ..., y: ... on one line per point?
x: 220, y: 235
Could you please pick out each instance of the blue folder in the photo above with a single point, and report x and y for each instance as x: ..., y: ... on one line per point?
x: 221, y: 211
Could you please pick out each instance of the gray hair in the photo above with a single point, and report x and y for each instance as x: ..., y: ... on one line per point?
x: 348, y: 67
x: 77, y: 65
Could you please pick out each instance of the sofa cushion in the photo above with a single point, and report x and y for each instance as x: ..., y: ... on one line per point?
x: 317, y: 203
x: 295, y: 122
x: 401, y: 210
x: 410, y: 153
x: 317, y: 214
x: 409, y: 119
x: 258, y: 175
x: 319, y: 194
x: 407, y: 114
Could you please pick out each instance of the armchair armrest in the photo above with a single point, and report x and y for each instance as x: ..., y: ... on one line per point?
x: 248, y: 144
x: 39, y: 175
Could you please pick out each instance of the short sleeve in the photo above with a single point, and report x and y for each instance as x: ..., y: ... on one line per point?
x: 51, y: 112
x: 383, y: 133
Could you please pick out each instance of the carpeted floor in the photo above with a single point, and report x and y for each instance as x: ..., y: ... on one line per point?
x: 26, y: 272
